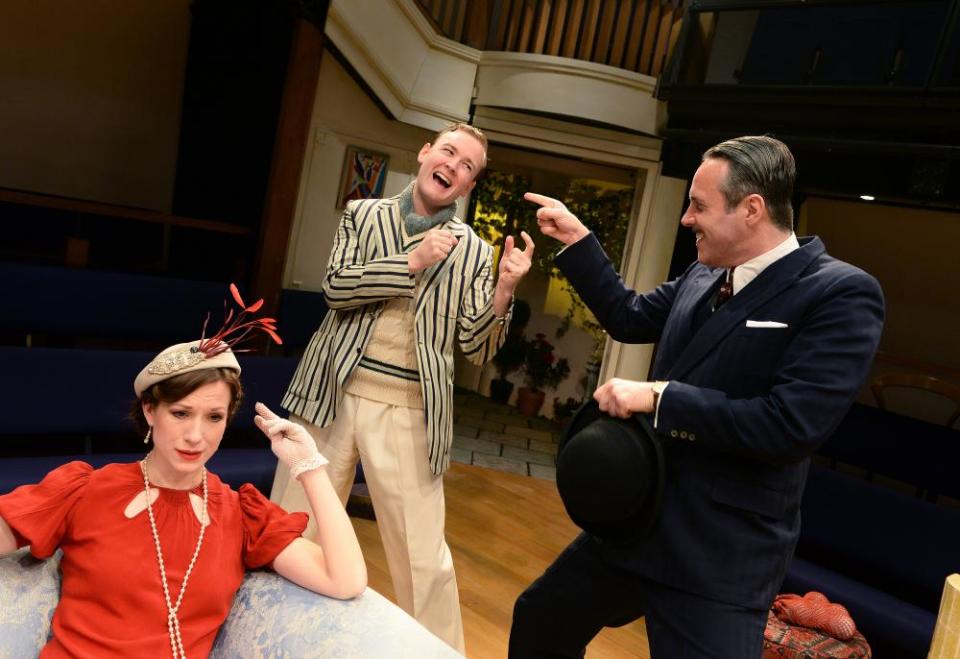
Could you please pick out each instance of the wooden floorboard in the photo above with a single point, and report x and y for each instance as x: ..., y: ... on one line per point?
x: 503, y: 530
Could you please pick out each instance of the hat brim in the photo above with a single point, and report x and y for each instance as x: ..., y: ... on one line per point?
x: 625, y: 510
x: 180, y: 359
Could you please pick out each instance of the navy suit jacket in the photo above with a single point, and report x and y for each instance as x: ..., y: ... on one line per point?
x: 745, y: 408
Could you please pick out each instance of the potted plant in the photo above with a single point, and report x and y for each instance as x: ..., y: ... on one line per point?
x: 563, y: 409
x: 541, y: 370
x: 511, y: 354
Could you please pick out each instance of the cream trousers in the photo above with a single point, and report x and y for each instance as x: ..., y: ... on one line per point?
x: 391, y: 443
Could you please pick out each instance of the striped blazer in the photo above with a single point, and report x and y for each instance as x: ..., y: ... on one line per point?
x: 368, y: 267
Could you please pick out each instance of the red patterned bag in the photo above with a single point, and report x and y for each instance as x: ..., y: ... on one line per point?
x: 814, y: 610
x: 811, y: 627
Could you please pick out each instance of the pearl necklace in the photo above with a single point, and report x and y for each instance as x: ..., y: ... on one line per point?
x: 173, y: 624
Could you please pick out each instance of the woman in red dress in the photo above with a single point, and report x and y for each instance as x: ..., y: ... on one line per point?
x: 154, y: 551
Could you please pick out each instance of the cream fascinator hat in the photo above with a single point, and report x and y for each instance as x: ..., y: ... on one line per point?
x: 218, y: 351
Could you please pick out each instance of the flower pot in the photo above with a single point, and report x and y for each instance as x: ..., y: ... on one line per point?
x: 529, y: 401
x: 500, y: 390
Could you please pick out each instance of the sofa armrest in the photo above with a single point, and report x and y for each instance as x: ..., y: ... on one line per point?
x: 274, y: 617
x: 29, y: 592
x: 270, y: 617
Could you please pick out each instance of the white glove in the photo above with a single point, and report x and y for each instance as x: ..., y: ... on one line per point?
x: 290, y: 442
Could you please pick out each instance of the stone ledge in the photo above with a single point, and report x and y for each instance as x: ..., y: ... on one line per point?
x: 530, y: 433
x: 544, y: 472
x: 533, y: 457
x: 543, y: 447
x: 501, y: 464
x: 502, y: 438
x: 478, y: 445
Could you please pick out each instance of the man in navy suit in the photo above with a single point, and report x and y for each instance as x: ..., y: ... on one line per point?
x: 763, y: 344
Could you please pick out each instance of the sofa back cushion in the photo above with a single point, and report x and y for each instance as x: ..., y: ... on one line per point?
x: 895, y: 542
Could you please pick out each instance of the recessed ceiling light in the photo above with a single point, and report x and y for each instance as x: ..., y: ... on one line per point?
x: 867, y: 197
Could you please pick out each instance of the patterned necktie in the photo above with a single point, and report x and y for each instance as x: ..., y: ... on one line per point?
x: 726, y: 290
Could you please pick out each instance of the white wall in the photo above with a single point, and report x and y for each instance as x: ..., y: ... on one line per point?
x: 570, y: 87
x: 343, y: 115
x: 912, y: 254
x: 646, y: 263
x: 427, y: 80
x: 422, y: 78
x: 90, y: 100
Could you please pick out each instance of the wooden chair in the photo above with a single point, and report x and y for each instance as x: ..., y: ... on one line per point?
x: 917, y: 381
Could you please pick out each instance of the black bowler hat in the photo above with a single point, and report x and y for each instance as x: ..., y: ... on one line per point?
x: 610, y: 473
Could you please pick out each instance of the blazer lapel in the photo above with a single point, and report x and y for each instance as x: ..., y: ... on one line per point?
x: 734, y: 313
x: 433, y: 275
x: 397, y: 238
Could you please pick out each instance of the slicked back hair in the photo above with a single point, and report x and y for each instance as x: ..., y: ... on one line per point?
x: 758, y: 164
x: 473, y: 131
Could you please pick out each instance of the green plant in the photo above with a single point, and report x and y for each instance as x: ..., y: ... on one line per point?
x: 541, y: 368
x: 500, y: 208
x: 606, y: 212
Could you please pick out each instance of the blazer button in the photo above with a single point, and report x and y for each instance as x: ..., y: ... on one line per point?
x: 683, y: 434
x: 359, y: 350
x: 673, y: 433
x: 691, y: 437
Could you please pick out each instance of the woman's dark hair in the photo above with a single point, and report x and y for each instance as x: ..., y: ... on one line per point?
x: 180, y: 386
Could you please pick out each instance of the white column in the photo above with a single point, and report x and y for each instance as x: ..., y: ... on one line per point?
x: 646, y: 262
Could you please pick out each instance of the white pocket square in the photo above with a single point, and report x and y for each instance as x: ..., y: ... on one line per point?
x: 770, y: 324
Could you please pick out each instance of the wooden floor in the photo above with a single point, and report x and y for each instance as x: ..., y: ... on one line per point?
x: 497, y: 554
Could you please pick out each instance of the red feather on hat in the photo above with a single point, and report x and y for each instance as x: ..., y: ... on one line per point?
x: 237, y: 328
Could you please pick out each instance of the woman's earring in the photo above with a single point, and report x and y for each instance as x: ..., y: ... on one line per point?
x: 146, y: 440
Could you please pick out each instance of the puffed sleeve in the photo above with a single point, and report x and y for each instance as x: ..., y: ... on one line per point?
x: 267, y: 528
x: 39, y: 515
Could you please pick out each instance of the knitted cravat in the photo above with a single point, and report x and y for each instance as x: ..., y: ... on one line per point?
x: 415, y: 223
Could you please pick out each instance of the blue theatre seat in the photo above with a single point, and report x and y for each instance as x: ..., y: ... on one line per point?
x: 882, y: 554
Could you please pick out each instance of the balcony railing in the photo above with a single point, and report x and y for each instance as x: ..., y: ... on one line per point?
x: 637, y: 35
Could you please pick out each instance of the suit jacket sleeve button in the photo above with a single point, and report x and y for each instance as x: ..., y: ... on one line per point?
x: 673, y: 433
x: 691, y: 437
x: 683, y: 434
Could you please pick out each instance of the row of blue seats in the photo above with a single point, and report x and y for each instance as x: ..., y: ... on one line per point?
x: 881, y: 553
x: 53, y: 391
x: 64, y: 390
x: 234, y: 466
x: 67, y: 302
x: 902, y: 448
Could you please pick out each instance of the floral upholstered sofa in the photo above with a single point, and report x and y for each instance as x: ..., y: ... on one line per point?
x: 271, y: 617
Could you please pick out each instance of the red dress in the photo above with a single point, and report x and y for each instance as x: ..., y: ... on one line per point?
x: 111, y: 602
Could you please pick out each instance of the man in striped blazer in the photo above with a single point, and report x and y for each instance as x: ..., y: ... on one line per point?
x: 406, y: 279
